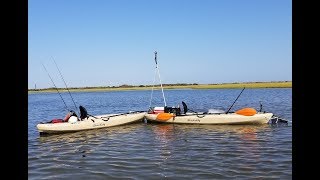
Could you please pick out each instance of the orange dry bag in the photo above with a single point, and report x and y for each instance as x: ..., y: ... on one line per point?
x: 247, y: 112
x: 164, y: 116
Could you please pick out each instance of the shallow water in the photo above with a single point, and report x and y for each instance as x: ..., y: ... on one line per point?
x: 158, y: 151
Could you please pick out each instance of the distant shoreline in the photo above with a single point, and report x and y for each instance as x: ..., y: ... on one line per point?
x: 280, y: 84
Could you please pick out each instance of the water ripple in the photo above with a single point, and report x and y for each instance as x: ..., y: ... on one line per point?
x: 162, y: 151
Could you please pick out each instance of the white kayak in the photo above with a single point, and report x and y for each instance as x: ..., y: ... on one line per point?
x: 194, y: 118
x: 91, y: 122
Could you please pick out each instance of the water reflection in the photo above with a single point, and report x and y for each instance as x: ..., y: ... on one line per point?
x: 167, y: 134
x: 249, y: 146
x: 164, y: 136
x: 166, y: 130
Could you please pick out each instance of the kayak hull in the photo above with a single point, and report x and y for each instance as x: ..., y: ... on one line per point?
x: 219, y: 119
x: 96, y: 122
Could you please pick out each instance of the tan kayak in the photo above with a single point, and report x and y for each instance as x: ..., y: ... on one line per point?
x: 194, y: 118
x: 91, y: 122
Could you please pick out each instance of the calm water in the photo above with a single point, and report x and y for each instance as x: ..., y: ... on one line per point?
x: 159, y: 151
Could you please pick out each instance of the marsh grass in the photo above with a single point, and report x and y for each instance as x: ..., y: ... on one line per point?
x: 285, y: 84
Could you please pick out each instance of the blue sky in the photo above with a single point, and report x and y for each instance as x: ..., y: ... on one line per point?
x: 111, y: 42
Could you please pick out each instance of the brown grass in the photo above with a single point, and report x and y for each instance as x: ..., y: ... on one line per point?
x: 285, y: 84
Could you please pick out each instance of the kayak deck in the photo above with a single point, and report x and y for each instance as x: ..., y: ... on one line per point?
x: 91, y: 122
x: 232, y: 118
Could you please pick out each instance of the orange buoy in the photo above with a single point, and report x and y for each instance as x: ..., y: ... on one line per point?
x: 246, y: 112
x: 164, y: 116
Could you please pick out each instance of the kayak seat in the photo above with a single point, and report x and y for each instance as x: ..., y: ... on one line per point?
x: 57, y: 121
x: 83, y: 113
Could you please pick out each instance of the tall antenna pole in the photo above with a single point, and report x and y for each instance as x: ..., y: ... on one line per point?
x: 157, y: 67
x: 56, y: 88
x: 65, y: 84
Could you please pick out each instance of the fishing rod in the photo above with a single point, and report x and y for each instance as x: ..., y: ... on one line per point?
x: 65, y: 84
x: 235, y: 101
x: 56, y: 88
